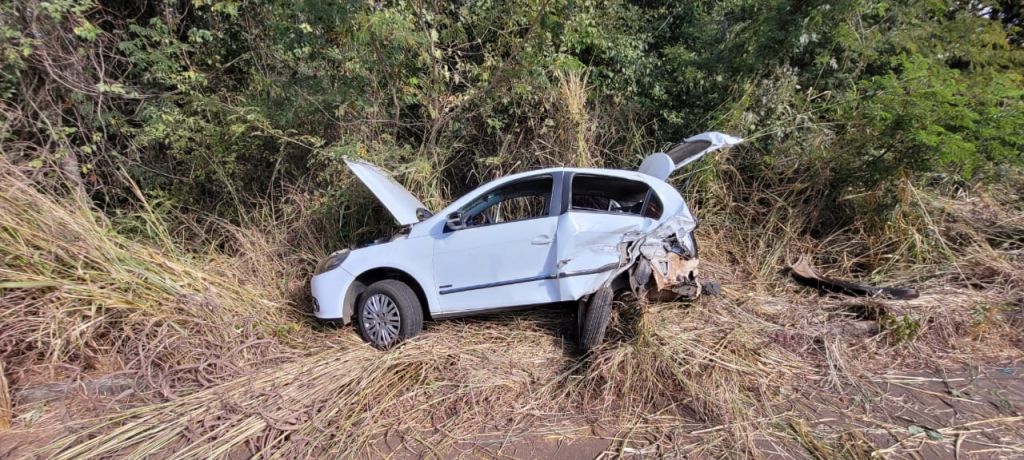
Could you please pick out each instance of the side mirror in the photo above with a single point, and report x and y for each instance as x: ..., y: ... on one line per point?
x: 455, y: 222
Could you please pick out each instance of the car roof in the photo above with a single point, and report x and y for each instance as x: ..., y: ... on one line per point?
x: 666, y: 192
x: 623, y: 173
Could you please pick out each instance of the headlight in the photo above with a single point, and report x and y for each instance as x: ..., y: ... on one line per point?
x: 331, y: 262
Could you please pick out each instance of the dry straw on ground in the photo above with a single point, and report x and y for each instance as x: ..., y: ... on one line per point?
x: 5, y: 400
x: 226, y: 364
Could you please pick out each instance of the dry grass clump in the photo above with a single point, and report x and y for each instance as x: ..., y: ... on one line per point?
x: 74, y: 293
x: 240, y: 372
x: 462, y: 380
x: 669, y: 370
x: 694, y: 357
x: 576, y: 130
x: 491, y: 379
x: 757, y: 222
x: 5, y: 400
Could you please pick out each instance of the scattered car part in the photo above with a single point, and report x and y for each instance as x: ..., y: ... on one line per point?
x: 538, y: 237
x: 805, y: 274
x: 712, y: 288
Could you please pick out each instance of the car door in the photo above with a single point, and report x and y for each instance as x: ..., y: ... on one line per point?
x: 503, y: 256
x: 601, y: 211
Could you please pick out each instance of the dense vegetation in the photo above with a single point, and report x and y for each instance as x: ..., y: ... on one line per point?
x: 223, y: 105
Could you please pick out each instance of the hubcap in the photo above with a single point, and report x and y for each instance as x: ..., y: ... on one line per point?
x: 381, y: 319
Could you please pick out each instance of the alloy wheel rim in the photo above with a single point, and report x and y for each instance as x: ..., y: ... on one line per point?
x: 381, y: 319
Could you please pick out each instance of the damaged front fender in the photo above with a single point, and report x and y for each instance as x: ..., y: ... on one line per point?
x: 664, y: 262
x: 661, y: 263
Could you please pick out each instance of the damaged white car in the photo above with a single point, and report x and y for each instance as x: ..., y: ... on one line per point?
x: 539, y: 237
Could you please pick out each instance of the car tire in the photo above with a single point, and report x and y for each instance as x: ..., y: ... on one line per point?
x: 594, y: 319
x: 389, y: 313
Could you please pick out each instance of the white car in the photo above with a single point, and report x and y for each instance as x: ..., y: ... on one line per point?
x: 538, y: 237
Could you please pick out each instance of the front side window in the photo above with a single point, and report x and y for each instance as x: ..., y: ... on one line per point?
x: 614, y: 195
x: 526, y: 199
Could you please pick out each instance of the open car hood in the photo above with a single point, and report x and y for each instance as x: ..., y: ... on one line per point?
x: 661, y: 165
x: 397, y: 199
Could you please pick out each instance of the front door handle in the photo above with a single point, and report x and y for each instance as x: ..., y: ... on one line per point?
x: 541, y: 240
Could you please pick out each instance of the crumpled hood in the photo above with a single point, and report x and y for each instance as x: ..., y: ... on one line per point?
x: 399, y: 202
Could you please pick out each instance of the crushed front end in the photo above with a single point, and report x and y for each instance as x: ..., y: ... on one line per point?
x: 663, y: 264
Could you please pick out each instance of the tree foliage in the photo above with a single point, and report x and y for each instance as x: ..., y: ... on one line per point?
x: 210, y: 102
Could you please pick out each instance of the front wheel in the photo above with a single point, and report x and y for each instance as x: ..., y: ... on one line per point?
x: 389, y: 313
x: 594, y: 319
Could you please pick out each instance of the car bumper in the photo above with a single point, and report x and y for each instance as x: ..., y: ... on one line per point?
x: 329, y: 289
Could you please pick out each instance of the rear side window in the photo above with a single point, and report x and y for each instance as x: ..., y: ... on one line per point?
x: 614, y: 195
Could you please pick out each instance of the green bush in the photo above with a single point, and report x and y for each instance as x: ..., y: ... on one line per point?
x: 217, y: 105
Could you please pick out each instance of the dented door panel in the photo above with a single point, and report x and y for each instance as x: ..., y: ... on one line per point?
x: 589, y: 249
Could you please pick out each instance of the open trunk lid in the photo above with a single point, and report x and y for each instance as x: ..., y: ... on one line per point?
x: 399, y: 202
x: 662, y: 164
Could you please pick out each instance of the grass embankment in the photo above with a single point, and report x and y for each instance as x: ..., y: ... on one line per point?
x: 78, y: 296
x: 224, y: 361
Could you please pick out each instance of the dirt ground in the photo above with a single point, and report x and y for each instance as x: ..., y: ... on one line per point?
x: 967, y: 413
x: 913, y: 409
x: 972, y: 412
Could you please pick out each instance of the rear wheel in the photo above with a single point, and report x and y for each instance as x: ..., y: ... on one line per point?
x: 389, y: 312
x: 593, y: 319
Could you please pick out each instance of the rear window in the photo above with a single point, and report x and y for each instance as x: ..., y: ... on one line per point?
x: 614, y: 195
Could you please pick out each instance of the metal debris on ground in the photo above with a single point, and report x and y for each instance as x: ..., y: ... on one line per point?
x: 804, y: 273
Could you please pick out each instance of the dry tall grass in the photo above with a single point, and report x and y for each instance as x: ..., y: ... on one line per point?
x: 5, y: 400
x: 576, y: 133
x: 76, y: 296
x: 226, y: 364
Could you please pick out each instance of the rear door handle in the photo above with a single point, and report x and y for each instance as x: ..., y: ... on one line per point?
x: 541, y: 240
